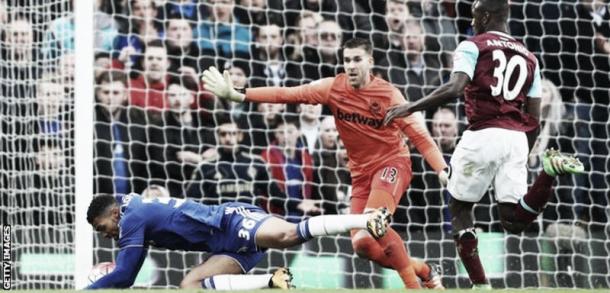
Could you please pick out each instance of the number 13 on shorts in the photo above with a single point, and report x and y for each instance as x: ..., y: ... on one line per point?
x: 389, y: 174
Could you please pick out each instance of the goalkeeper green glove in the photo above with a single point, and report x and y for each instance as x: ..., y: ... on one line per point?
x: 221, y: 85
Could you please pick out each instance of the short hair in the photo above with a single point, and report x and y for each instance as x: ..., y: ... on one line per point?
x: 110, y: 76
x: 99, y: 206
x: 222, y: 117
x: 183, y: 80
x: 359, y: 43
x: 238, y: 64
x: 154, y: 43
x: 292, y: 119
x: 102, y: 54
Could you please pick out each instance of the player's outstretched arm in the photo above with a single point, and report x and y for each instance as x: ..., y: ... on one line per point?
x: 128, y: 263
x: 442, y: 95
x: 222, y: 86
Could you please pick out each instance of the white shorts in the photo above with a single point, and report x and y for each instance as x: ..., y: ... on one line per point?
x: 489, y: 154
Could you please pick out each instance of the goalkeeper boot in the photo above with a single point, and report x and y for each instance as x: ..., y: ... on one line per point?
x: 555, y: 163
x: 378, y: 222
x: 434, y: 280
x: 281, y: 279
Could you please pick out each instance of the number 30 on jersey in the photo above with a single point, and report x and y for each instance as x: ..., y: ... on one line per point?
x: 504, y: 73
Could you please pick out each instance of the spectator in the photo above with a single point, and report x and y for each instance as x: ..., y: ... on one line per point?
x: 559, y: 131
x: 66, y: 68
x: 19, y: 72
x: 188, y: 10
x: 220, y: 34
x: 552, y: 111
x: 415, y: 70
x: 305, y: 35
x: 139, y: 26
x: 389, y: 37
x: 51, y: 101
x: 268, y: 66
x: 20, y: 62
x: 120, y: 164
x: 59, y: 37
x: 331, y: 176
x: 309, y: 119
x: 349, y: 15
x: 39, y: 198
x: 291, y: 165
x: 147, y: 90
x: 102, y: 62
x: 260, y: 124
x: 445, y: 130
x: 257, y: 12
x: 105, y: 26
x: 323, y: 61
x: 3, y: 14
x: 179, y: 139
x: 232, y: 176
x: 440, y: 29
x: 182, y: 50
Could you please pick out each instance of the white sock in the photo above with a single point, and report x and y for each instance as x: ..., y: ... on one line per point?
x: 236, y: 282
x: 330, y: 225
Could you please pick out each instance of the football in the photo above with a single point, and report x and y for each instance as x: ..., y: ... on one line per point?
x: 100, y: 270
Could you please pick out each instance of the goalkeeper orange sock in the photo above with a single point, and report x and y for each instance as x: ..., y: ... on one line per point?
x: 397, y: 257
x: 388, y: 252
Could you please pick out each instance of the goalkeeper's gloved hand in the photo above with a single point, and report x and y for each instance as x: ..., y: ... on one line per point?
x: 443, y: 176
x: 221, y: 85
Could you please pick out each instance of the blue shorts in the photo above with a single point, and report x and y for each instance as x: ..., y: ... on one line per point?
x: 240, y: 223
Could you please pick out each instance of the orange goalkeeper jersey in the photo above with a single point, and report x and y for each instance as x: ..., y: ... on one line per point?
x: 359, y: 116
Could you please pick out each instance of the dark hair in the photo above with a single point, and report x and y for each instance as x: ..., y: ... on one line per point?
x: 109, y: 76
x: 102, y: 54
x: 237, y: 64
x: 99, y: 205
x: 359, y: 43
x: 222, y: 117
x: 154, y: 43
x: 183, y: 80
x: 289, y: 119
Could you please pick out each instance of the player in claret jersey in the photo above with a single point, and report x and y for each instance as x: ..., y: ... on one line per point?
x: 500, y: 80
x: 378, y: 157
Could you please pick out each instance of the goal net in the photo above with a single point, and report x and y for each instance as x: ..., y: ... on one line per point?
x: 37, y: 143
x: 157, y: 132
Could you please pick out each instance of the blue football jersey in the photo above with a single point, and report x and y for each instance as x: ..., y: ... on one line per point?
x: 171, y: 223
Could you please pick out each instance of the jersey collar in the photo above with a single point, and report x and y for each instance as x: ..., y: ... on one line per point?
x: 501, y: 34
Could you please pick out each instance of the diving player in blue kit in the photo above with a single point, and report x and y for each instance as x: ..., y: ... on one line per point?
x: 236, y: 234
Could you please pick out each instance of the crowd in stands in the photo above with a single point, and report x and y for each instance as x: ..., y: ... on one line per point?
x: 156, y: 126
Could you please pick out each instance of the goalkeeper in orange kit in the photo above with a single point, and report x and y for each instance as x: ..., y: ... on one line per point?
x: 378, y: 157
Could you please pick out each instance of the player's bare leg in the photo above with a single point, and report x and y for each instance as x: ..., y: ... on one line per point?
x: 278, y: 233
x: 516, y: 217
x: 466, y: 241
